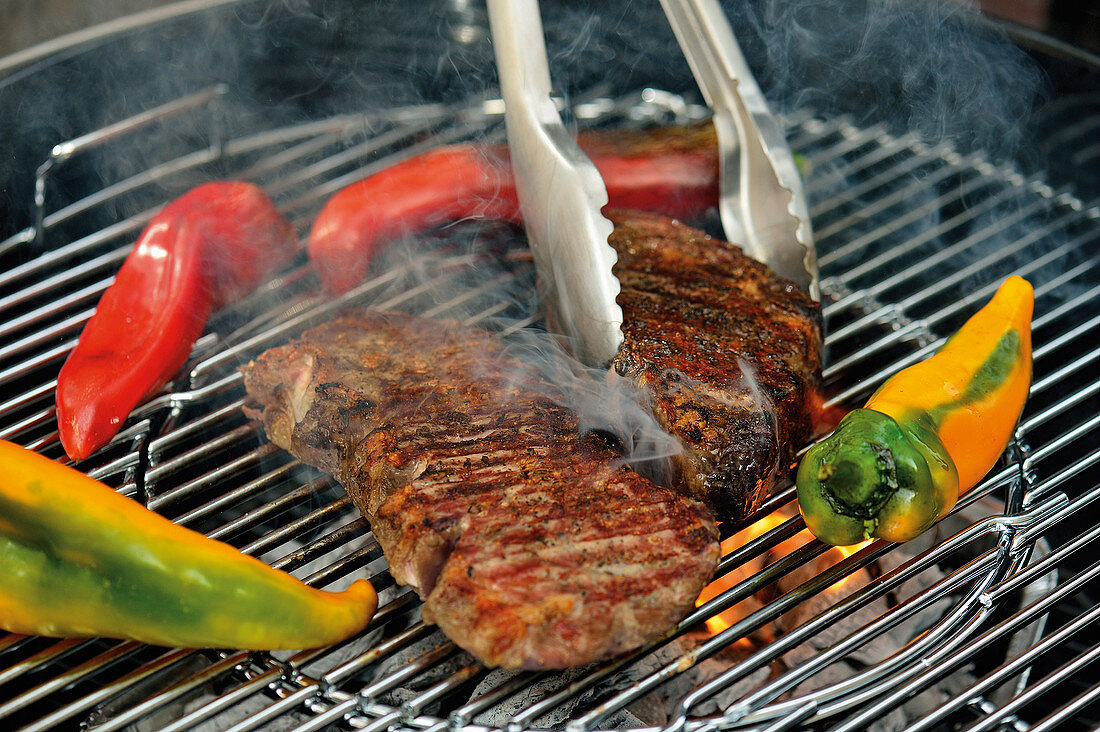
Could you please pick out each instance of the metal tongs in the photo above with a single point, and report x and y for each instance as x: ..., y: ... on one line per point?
x: 761, y: 201
x: 561, y: 193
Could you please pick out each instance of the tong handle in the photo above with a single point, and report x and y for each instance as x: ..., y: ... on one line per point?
x: 762, y: 204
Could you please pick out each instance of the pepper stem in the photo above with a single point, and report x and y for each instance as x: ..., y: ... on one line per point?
x: 859, y: 479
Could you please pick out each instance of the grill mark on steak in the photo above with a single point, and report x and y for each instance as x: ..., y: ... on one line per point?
x: 730, y: 352
x: 531, y: 543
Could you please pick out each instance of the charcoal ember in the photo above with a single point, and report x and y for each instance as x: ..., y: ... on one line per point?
x: 898, y: 718
x: 933, y: 698
x: 440, y: 670
x: 159, y: 718
x: 834, y: 632
x: 882, y: 646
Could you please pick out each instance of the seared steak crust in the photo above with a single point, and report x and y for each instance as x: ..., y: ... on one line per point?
x: 531, y: 544
x: 729, y: 351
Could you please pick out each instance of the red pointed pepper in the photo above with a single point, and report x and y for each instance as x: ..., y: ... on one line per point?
x: 204, y: 250
x: 672, y: 171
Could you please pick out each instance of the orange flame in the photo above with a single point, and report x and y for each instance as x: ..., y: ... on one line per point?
x: 845, y: 552
x: 728, y: 617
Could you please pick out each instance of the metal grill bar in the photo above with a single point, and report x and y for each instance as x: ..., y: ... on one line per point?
x: 227, y: 700
x: 135, y: 713
x: 213, y: 470
x: 1066, y: 713
x: 884, y: 584
x: 954, y: 223
x: 908, y: 331
x: 941, y: 664
x: 885, y: 146
x: 1018, y: 664
x: 103, y: 660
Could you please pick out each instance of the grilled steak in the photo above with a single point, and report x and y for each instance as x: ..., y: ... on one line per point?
x: 729, y: 351
x: 532, y: 545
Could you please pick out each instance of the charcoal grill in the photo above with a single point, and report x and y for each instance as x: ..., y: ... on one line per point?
x: 995, y: 606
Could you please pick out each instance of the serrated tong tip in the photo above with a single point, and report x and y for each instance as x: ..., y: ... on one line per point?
x: 560, y: 191
x: 761, y: 202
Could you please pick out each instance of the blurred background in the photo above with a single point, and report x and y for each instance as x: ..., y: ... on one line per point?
x: 25, y: 23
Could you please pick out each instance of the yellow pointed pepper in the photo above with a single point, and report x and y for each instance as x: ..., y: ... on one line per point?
x: 79, y: 559
x: 930, y: 432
